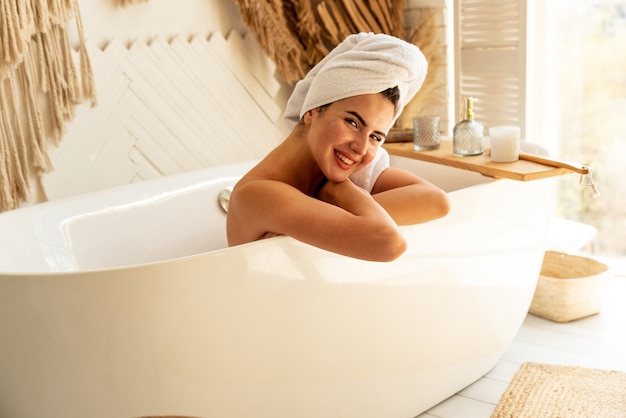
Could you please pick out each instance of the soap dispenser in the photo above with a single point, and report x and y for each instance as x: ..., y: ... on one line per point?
x: 467, y: 135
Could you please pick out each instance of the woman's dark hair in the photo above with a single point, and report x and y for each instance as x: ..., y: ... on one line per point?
x: 393, y: 94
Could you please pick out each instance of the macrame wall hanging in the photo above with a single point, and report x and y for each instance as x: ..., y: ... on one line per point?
x: 296, y: 34
x: 39, y: 87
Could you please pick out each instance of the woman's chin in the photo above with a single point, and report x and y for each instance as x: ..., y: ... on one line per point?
x: 339, y: 175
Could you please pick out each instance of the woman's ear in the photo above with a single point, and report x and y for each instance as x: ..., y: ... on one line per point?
x: 307, y: 117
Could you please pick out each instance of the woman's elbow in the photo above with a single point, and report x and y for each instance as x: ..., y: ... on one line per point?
x: 441, y: 204
x: 398, y: 248
x: 391, y: 248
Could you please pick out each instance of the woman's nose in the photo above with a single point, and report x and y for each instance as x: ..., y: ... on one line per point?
x: 359, y: 145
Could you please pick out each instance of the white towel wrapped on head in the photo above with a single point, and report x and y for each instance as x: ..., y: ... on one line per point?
x: 364, y: 63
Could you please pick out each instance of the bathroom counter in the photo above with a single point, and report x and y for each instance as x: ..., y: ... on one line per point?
x: 522, y: 170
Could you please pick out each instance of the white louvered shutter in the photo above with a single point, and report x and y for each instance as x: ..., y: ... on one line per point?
x: 490, y: 59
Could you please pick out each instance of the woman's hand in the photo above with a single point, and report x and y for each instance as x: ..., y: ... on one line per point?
x: 329, y: 191
x: 345, y: 194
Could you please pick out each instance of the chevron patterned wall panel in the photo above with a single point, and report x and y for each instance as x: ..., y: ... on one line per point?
x: 166, y: 107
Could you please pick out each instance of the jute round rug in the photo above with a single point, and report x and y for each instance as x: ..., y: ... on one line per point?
x: 551, y: 391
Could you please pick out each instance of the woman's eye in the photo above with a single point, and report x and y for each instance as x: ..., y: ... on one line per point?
x: 377, y: 138
x: 352, y: 122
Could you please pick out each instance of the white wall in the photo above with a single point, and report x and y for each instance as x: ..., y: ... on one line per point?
x: 181, y: 85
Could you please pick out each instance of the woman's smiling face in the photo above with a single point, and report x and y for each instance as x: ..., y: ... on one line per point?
x: 345, y: 135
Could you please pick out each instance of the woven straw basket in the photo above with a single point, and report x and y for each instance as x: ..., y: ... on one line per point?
x: 569, y: 287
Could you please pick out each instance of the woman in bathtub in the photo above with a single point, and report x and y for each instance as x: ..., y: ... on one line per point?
x: 329, y: 183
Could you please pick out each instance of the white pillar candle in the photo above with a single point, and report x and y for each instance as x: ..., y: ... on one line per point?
x: 504, y: 143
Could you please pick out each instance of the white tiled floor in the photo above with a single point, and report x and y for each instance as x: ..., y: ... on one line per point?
x: 598, y: 341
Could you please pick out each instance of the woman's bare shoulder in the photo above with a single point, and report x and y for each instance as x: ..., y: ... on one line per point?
x: 259, y: 205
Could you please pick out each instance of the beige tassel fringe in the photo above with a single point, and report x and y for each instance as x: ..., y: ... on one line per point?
x: 39, y: 87
x: 124, y: 3
x: 433, y: 91
x: 296, y: 34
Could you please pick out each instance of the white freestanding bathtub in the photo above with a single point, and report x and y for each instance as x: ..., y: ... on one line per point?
x: 127, y: 303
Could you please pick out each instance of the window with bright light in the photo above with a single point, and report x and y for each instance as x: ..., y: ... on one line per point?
x: 579, y: 53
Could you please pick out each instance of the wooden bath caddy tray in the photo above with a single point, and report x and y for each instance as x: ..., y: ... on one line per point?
x: 529, y: 167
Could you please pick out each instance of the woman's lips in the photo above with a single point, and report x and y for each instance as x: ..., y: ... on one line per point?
x: 344, y: 159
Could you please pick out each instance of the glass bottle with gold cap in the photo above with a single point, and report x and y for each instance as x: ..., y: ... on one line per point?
x: 467, y: 135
